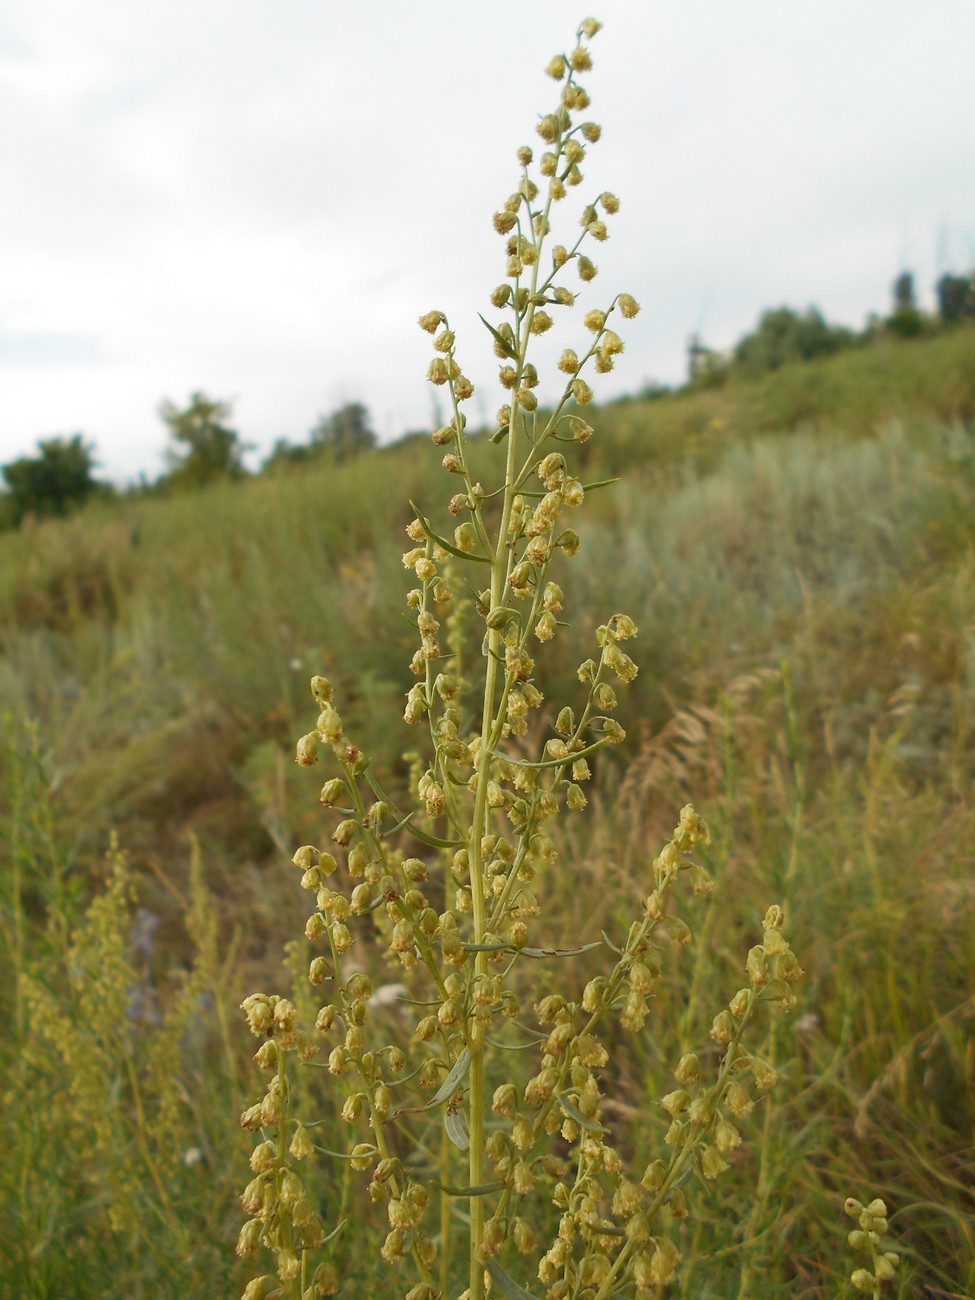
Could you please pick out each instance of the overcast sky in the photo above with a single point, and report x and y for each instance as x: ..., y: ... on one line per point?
x: 258, y: 199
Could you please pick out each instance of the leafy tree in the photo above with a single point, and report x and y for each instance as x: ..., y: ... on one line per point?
x: 956, y: 297
x: 206, y: 447
x: 905, y: 320
x: 52, y: 483
x: 784, y: 335
x: 905, y: 298
x: 345, y: 433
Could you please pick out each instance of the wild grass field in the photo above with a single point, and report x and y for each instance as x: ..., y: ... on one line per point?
x: 799, y: 555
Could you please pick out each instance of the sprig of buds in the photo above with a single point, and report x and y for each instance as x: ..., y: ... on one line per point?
x: 866, y: 1239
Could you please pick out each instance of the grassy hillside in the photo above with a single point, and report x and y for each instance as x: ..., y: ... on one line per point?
x: 799, y: 554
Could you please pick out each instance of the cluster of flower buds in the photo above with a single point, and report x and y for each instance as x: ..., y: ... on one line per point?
x: 282, y: 1218
x: 866, y: 1240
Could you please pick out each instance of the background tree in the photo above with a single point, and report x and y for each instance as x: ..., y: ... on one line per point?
x: 54, y: 482
x: 905, y: 320
x: 956, y: 297
x: 785, y: 335
x: 206, y: 447
x: 345, y: 433
x: 905, y: 298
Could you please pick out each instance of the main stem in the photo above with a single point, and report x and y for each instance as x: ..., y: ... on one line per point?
x: 478, y: 899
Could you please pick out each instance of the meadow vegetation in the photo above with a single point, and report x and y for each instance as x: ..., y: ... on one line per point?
x: 798, y: 553
x: 806, y: 599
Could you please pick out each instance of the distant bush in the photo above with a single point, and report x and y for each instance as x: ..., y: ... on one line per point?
x: 956, y: 297
x: 906, y: 321
x: 206, y: 448
x: 785, y: 335
x: 54, y: 482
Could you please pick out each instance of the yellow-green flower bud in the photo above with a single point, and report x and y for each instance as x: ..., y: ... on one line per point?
x: 394, y: 1247
x: 382, y: 1100
x: 431, y: 321
x: 333, y: 792
x: 301, y: 1144
x: 723, y: 1027
x: 739, y: 1003
x: 465, y: 537
x: 675, y: 1102
x: 575, y: 799
x: 259, y: 1012
x: 546, y: 626
x: 523, y: 1180
x: 713, y: 1163
x: 324, y: 1283
x: 249, y: 1239
x: 688, y: 1068
x: 341, y: 937
x: 737, y: 1100
x: 548, y: 128
x: 764, y: 1075
x: 663, y: 1265
x: 757, y: 966
x: 493, y: 1238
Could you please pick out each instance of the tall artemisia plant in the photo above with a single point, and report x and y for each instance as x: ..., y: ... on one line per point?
x: 447, y: 888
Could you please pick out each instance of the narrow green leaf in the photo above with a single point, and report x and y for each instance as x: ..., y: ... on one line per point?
x: 338, y: 1155
x: 603, y: 482
x: 453, y: 1122
x: 426, y: 838
x: 573, y: 1111
x: 559, y: 952
x: 482, y: 1189
x: 449, y: 1085
x: 442, y: 541
x: 489, y: 947
x: 335, y: 1232
x: 509, y: 1287
x: 404, y: 822
x: 500, y: 339
x: 499, y: 435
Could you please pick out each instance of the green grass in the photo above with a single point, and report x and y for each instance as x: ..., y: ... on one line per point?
x: 800, y: 557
